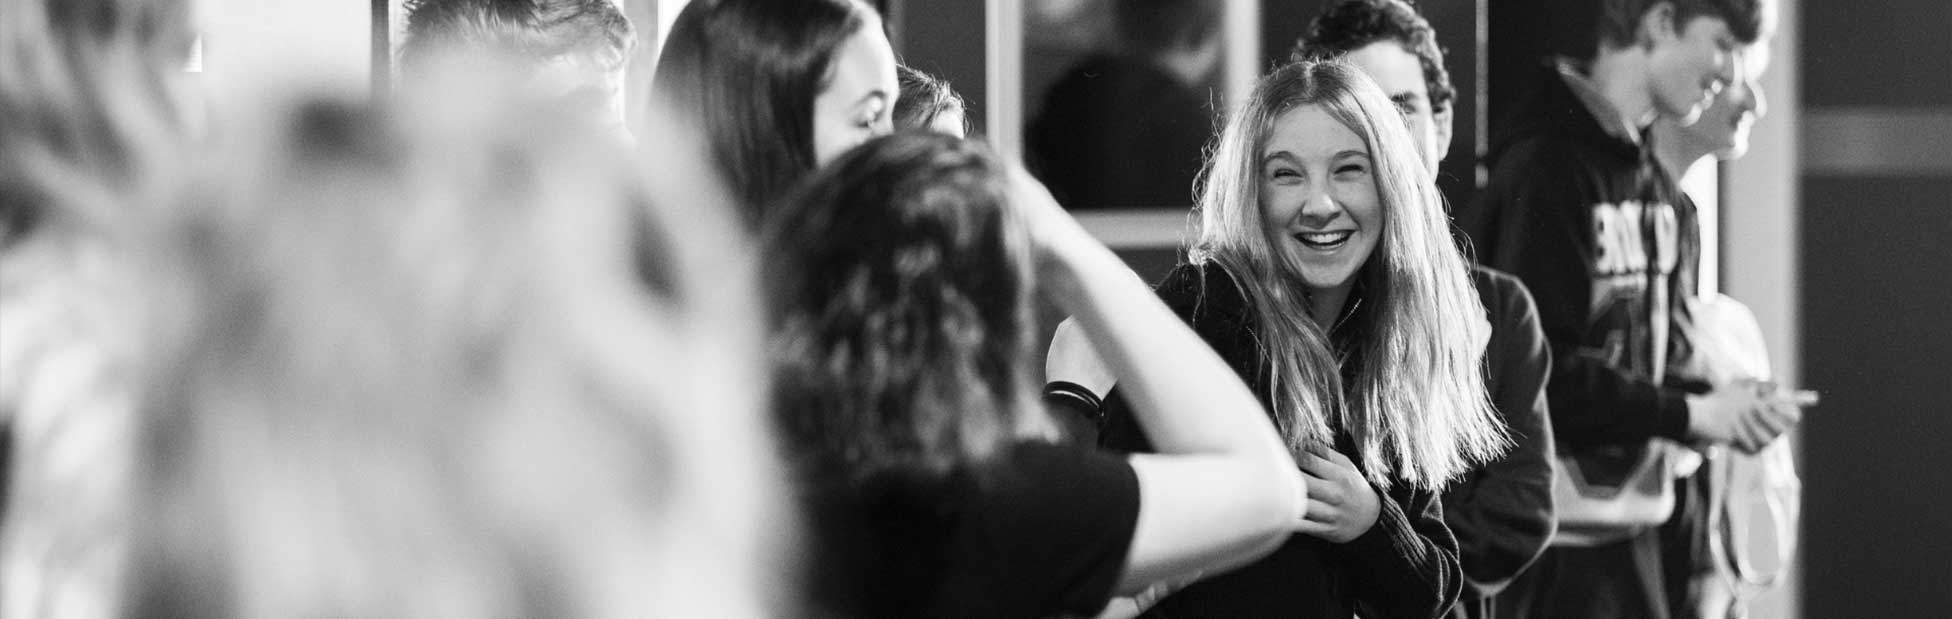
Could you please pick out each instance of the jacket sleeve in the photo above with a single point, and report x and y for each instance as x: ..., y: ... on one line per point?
x: 1503, y: 513
x: 1406, y: 566
x: 1535, y: 222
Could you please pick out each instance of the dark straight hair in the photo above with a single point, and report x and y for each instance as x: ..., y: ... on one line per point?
x: 747, y: 71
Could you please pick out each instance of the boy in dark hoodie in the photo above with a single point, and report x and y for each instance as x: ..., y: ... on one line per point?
x: 1578, y: 211
x: 1502, y: 512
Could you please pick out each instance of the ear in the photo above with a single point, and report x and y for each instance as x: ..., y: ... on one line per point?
x: 1443, y: 122
x: 1657, y: 25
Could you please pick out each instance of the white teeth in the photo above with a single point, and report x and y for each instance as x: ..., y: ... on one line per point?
x: 1324, y: 239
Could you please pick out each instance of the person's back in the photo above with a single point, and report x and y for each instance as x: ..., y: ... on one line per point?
x: 902, y: 276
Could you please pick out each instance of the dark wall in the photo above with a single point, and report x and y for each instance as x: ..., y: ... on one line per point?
x: 944, y: 39
x: 1877, y: 323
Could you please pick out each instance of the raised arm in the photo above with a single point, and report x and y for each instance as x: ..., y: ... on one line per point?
x: 1222, y: 490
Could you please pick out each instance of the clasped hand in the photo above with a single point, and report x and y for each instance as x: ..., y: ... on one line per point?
x: 1341, y: 503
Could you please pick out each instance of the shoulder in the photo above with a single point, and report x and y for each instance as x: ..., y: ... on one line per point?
x: 1201, y: 290
x: 1501, y: 291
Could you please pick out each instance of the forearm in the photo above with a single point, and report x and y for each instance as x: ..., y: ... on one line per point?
x: 1595, y: 403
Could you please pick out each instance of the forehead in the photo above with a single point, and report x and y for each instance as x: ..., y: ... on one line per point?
x: 1391, y: 66
x: 864, y: 62
x: 1310, y: 132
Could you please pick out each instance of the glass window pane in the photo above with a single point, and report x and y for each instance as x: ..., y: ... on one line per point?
x: 1120, y: 98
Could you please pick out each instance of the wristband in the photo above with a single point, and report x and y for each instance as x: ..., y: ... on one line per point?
x: 1075, y: 397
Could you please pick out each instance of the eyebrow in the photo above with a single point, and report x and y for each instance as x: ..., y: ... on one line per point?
x: 872, y: 95
x: 1290, y: 157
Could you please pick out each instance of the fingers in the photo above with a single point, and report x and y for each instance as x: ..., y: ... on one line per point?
x: 1323, y: 490
x: 1316, y: 465
x: 1337, y: 457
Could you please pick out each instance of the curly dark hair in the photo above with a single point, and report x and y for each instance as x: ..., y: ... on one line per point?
x: 1353, y: 24
x: 537, y: 29
x: 901, y: 285
x: 924, y: 97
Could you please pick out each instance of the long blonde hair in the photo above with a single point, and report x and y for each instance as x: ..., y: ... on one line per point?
x: 1417, y: 409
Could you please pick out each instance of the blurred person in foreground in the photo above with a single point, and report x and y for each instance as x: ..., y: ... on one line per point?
x: 455, y: 358
x: 94, y: 123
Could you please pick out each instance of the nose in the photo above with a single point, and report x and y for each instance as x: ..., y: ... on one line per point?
x: 1320, y: 210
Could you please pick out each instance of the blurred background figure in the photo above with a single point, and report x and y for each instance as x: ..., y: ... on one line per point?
x: 1125, y: 126
x: 927, y: 102
x: 1706, y: 552
x: 575, y: 50
x: 93, y: 123
x: 436, y: 361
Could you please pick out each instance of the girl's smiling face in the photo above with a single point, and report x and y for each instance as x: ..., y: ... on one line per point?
x: 1318, y: 197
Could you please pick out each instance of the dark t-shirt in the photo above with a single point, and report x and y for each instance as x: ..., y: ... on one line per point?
x: 1034, y: 531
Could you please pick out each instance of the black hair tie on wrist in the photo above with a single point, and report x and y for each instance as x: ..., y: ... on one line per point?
x: 1067, y: 394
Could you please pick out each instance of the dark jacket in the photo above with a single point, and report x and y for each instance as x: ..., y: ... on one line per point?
x: 1587, y: 221
x: 1502, y: 512
x: 1406, y: 566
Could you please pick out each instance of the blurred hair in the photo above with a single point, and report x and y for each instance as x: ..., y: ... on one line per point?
x: 924, y: 97
x: 1354, y: 24
x: 747, y: 72
x: 1416, y: 407
x: 92, y: 130
x: 88, y: 105
x: 1748, y: 20
x: 518, y: 29
x: 461, y: 364
x: 902, y: 323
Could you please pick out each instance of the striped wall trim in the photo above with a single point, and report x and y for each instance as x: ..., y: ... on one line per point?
x: 1877, y: 141
x: 1139, y: 228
